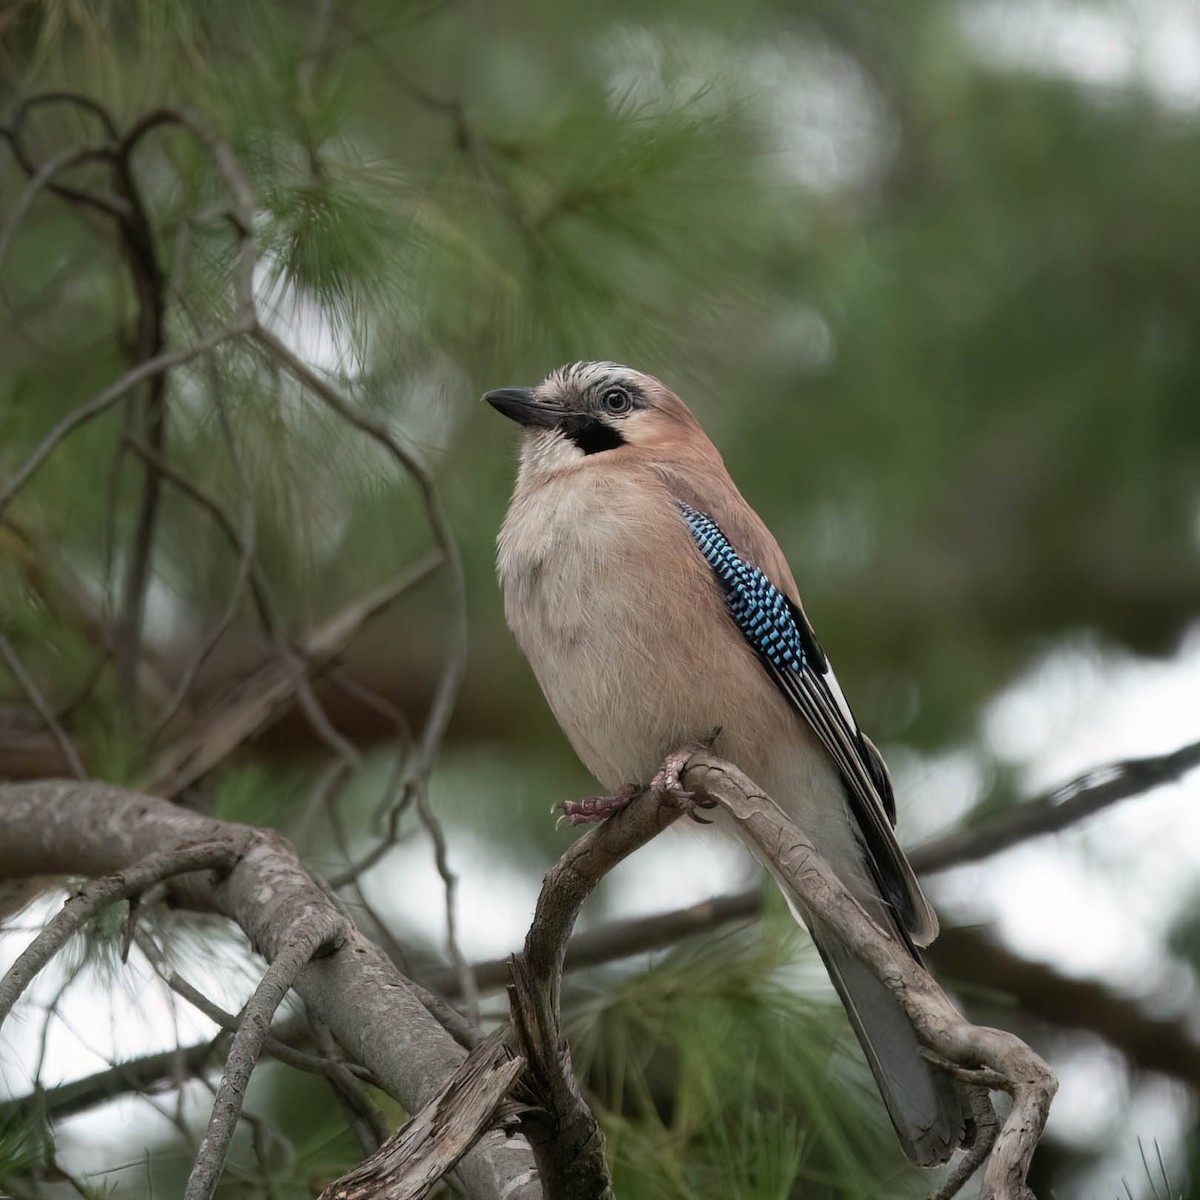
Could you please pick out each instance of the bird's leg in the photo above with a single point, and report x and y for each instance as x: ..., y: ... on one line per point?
x: 596, y: 808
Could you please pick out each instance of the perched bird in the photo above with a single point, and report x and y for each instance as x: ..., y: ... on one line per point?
x: 655, y: 608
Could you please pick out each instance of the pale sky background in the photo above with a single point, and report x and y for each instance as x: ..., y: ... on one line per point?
x: 1095, y: 900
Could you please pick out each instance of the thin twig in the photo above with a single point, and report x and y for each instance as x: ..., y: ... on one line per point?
x: 297, y: 671
x: 246, y: 560
x: 364, y: 1117
x: 345, y: 682
x: 274, y: 1046
x: 190, y: 488
x: 456, y: 653
x: 253, y: 702
x: 37, y: 181
x: 110, y: 205
x: 465, y: 1032
x: 99, y: 893
x: 310, y: 934
x: 31, y: 689
x: 469, y: 988
x: 106, y: 399
x: 1055, y: 810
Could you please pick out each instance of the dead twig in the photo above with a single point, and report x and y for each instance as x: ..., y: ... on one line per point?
x: 246, y: 560
x: 279, y: 1050
x: 296, y: 670
x: 41, y: 177
x: 426, y: 1149
x: 92, y: 897
x: 310, y: 933
x: 111, y: 205
x: 466, y: 978
x: 106, y: 399
x: 364, y: 1119
x: 456, y: 655
x: 252, y: 703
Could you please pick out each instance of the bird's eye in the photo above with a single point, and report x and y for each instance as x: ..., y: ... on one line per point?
x: 617, y: 400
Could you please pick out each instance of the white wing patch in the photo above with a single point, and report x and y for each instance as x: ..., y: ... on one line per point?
x: 836, y: 688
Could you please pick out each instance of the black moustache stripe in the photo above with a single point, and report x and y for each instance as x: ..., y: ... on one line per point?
x: 592, y: 436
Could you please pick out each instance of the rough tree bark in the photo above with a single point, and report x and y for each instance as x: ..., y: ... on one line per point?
x: 63, y: 827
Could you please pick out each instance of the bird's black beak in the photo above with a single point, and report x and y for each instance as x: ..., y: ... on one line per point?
x: 519, y: 405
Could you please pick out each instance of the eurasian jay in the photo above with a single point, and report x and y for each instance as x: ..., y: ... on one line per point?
x: 655, y: 608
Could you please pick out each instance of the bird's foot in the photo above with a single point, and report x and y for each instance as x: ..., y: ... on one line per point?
x: 668, y: 785
x: 596, y: 808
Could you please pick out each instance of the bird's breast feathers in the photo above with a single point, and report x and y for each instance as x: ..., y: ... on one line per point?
x: 616, y: 611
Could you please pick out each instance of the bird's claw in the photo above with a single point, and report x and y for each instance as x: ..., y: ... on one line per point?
x: 687, y: 803
x: 595, y: 808
x: 669, y: 786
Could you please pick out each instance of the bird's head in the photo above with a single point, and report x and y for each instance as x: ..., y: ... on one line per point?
x: 587, y: 410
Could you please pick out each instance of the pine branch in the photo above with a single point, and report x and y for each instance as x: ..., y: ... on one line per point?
x: 250, y: 704
x: 62, y: 827
x: 1055, y: 810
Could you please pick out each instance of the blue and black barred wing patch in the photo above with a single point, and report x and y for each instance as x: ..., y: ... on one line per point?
x: 777, y: 631
x: 762, y: 612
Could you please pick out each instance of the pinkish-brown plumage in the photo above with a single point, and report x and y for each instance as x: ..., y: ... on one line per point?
x: 631, y: 639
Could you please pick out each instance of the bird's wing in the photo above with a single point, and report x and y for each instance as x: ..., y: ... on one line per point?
x: 775, y: 627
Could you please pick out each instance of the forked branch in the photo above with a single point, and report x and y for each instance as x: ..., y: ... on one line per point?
x: 567, y: 1141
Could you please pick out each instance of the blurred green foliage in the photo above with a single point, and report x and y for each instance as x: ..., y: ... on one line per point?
x: 942, y: 320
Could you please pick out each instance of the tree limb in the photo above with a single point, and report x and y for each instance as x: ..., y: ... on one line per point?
x: 569, y: 1148
x: 566, y: 1138
x: 62, y: 827
x: 1054, y: 810
x: 937, y: 1023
